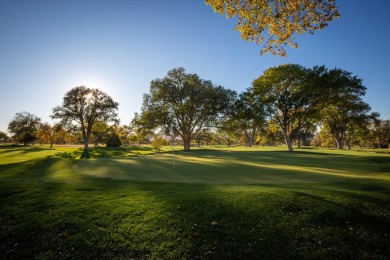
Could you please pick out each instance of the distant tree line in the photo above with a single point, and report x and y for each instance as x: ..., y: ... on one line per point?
x: 288, y: 104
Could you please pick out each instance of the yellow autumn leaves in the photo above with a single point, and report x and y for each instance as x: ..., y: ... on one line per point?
x: 274, y: 23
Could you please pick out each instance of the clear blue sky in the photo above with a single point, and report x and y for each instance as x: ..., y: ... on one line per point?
x: 49, y: 47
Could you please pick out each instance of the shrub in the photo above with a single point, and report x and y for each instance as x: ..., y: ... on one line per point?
x: 157, y: 143
x: 113, y: 141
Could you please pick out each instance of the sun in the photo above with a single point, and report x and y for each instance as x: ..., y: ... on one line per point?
x: 95, y: 82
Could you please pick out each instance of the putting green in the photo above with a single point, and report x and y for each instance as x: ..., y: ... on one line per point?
x: 224, y: 167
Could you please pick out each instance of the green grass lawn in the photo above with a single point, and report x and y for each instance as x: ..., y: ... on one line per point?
x: 216, y: 203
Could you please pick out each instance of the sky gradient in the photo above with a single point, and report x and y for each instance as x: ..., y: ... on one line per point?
x: 49, y: 47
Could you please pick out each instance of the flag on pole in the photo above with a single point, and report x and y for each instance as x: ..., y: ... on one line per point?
x: 171, y: 132
x: 173, y: 151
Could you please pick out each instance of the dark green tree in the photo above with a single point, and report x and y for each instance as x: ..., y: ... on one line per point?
x: 381, y: 133
x: 345, y: 110
x: 292, y: 96
x: 99, y: 133
x: 185, y: 102
x: 203, y: 136
x: 85, y: 107
x: 3, y: 136
x: 24, y: 127
x: 248, y: 116
x: 113, y: 140
x: 141, y: 128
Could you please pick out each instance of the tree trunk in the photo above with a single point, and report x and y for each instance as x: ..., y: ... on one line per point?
x: 249, y: 139
x: 187, y: 143
x: 287, y: 138
x: 339, y: 142
x: 299, y: 141
x: 349, y: 145
x: 85, y: 144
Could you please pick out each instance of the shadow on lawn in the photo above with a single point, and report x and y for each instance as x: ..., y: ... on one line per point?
x: 103, y: 152
x: 23, y: 149
x: 267, y: 223
x: 103, y: 218
x: 237, y: 167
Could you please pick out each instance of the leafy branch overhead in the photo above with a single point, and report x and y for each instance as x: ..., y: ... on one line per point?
x: 274, y: 23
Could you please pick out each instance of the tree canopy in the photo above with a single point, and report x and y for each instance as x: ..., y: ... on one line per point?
x: 24, y: 127
x: 3, y: 136
x: 292, y: 96
x: 46, y: 133
x: 314, y: 105
x: 274, y: 23
x: 184, y: 102
x: 85, y: 107
x: 247, y: 116
x: 345, y: 110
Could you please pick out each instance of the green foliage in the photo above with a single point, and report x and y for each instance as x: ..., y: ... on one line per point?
x: 324, y: 139
x: 158, y: 142
x: 204, y: 136
x: 3, y: 136
x: 100, y: 132
x: 380, y: 133
x: 247, y: 117
x: 46, y: 134
x: 291, y: 96
x: 185, y: 102
x: 85, y: 107
x: 113, y: 141
x: 270, y: 136
x: 346, y: 111
x: 24, y: 127
x: 141, y: 128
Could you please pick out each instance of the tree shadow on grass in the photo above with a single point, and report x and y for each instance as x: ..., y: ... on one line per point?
x: 103, y: 152
x: 22, y: 149
x: 261, y: 223
x: 350, y: 228
x: 105, y: 218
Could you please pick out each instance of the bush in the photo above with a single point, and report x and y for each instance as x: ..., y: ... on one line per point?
x: 113, y: 141
x: 157, y: 143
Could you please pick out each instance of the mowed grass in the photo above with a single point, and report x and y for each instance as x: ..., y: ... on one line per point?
x: 219, y: 203
x: 237, y: 166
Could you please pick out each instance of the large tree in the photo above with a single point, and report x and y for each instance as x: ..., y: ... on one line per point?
x: 380, y: 132
x: 184, y: 102
x: 345, y: 110
x: 3, y: 136
x: 99, y: 132
x: 85, y: 107
x: 46, y: 133
x: 247, y: 116
x: 276, y: 22
x: 24, y: 127
x: 292, y: 96
x: 142, y: 130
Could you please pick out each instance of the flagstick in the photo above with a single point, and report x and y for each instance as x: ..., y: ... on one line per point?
x: 173, y: 156
x: 173, y: 151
